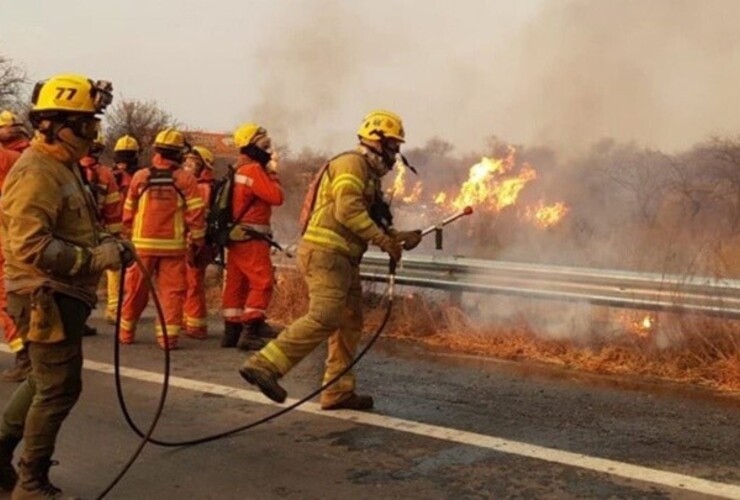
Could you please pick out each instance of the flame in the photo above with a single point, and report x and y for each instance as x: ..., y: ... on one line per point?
x: 493, y: 184
x: 638, y: 326
x: 546, y: 216
x: 399, y: 190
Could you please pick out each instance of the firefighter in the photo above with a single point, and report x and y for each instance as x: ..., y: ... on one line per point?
x: 126, y: 159
x: 55, y: 253
x: 249, y: 276
x: 336, y: 236
x: 198, y: 162
x: 13, y: 134
x: 164, y: 215
x: 107, y: 195
x: 13, y: 141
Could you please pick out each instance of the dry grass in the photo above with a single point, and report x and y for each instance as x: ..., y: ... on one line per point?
x: 689, y: 349
x: 694, y: 350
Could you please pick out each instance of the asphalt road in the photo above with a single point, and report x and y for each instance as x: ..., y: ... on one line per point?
x: 444, y: 427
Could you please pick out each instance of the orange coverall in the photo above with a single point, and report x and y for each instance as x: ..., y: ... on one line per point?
x: 7, y: 158
x: 106, y: 193
x: 249, y: 277
x: 196, y: 310
x: 160, y: 217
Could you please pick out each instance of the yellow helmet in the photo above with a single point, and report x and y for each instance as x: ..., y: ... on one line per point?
x: 170, y: 139
x: 205, y: 154
x: 127, y: 143
x: 248, y: 134
x: 71, y: 94
x: 9, y: 119
x: 379, y: 124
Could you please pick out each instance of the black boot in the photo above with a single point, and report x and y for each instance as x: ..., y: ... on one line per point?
x: 249, y: 339
x: 8, y: 476
x: 20, y: 371
x: 33, y: 481
x: 265, y: 330
x: 231, y: 334
x: 89, y: 331
x: 353, y: 402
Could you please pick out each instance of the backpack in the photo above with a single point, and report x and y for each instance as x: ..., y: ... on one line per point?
x: 220, y: 220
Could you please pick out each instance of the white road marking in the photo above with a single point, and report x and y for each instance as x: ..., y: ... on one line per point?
x: 601, y: 465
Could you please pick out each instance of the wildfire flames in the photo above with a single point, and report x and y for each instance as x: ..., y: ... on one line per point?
x: 399, y: 191
x: 493, y: 184
x: 546, y: 216
x: 638, y: 325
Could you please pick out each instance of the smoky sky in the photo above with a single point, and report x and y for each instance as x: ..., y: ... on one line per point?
x: 542, y: 72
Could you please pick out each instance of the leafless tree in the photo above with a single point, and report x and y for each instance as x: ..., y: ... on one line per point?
x: 12, y: 84
x: 141, y: 119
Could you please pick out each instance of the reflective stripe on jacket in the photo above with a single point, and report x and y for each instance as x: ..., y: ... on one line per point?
x: 340, y: 220
x: 162, y: 218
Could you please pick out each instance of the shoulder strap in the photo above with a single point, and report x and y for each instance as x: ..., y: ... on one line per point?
x: 160, y: 178
x: 313, y: 193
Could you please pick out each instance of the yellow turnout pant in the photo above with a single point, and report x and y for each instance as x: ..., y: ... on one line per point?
x: 334, y: 313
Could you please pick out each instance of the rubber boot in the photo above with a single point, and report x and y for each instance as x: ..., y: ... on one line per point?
x: 33, y: 481
x: 231, y: 334
x: 8, y: 476
x: 20, y: 370
x: 353, y: 402
x: 266, y: 380
x: 249, y: 340
x: 265, y: 330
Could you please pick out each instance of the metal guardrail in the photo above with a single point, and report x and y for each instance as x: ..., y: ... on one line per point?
x: 624, y: 289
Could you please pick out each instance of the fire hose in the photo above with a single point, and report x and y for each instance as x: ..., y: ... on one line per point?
x: 146, y: 436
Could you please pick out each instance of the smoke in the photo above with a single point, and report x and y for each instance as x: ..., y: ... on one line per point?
x: 662, y: 73
x: 563, y: 74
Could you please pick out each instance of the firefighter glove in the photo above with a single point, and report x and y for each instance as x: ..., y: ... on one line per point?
x: 409, y: 239
x: 390, y: 246
x: 128, y: 252
x: 107, y: 255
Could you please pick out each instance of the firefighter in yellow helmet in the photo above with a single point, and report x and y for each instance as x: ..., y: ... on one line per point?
x: 343, y: 217
x: 126, y: 159
x: 249, y: 277
x: 165, y: 216
x: 55, y: 252
x: 198, y: 162
x: 13, y: 133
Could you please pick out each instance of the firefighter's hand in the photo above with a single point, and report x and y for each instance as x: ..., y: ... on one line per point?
x: 107, y: 255
x: 409, y: 239
x: 128, y: 252
x: 390, y: 246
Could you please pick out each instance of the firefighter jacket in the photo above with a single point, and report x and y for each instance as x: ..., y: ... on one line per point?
x: 340, y: 220
x: 105, y: 192
x: 7, y: 158
x: 256, y: 191
x: 48, y: 224
x: 164, y: 210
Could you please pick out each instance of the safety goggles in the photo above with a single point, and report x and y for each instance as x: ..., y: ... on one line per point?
x: 85, y: 127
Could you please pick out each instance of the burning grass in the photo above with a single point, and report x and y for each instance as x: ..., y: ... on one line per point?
x: 694, y: 350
